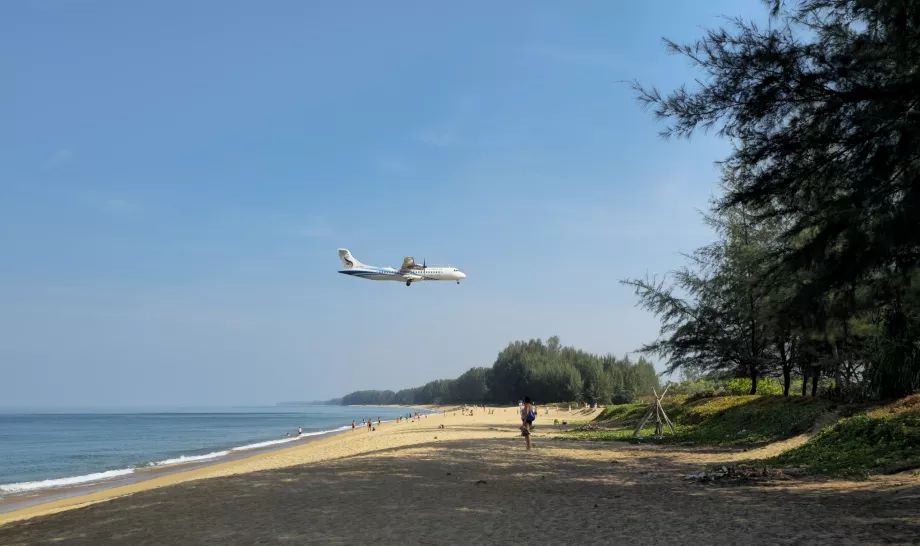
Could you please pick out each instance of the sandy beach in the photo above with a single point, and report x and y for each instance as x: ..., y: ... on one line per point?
x: 473, y: 482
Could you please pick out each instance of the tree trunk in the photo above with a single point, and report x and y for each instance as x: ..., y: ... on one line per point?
x: 787, y: 369
x: 815, y: 374
x: 804, y: 381
x: 753, y: 379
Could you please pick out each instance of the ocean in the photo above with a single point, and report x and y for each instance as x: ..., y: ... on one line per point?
x: 41, y: 452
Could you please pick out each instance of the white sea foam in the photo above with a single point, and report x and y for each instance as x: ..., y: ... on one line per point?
x: 24, y: 487
x: 269, y: 443
x: 183, y: 459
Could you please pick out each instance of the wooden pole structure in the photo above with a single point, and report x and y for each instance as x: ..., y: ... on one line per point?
x: 661, y: 418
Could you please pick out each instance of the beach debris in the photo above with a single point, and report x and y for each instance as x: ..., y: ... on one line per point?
x: 737, y: 474
x: 480, y: 481
x: 448, y: 473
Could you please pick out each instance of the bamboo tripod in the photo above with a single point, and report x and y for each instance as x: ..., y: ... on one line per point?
x: 661, y: 418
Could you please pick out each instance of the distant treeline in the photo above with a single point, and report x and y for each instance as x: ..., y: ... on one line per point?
x: 547, y: 372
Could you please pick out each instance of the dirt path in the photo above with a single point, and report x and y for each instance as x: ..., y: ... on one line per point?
x: 477, y: 485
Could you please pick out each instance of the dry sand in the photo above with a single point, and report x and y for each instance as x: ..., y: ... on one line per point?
x: 473, y: 483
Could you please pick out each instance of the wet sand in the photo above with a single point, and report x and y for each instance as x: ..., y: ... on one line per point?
x: 473, y: 483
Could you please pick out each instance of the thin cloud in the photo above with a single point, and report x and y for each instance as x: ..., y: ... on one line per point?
x: 58, y: 158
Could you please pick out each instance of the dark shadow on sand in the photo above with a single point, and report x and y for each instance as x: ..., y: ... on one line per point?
x: 481, y: 492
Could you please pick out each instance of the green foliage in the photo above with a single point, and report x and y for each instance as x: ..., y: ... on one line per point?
x: 739, y: 386
x: 724, y: 420
x: 621, y: 412
x: 708, y: 388
x: 882, y: 441
x: 816, y: 271
x: 697, y: 386
x: 546, y: 372
x: 747, y: 419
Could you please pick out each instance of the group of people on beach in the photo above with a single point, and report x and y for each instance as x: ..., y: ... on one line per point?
x: 369, y: 423
x: 410, y: 417
x: 468, y: 410
x: 299, y: 432
x: 527, y: 407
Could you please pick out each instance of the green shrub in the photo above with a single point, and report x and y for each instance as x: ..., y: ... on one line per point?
x: 623, y: 398
x: 742, y: 385
x: 722, y: 420
x: 700, y: 395
x: 691, y: 388
x: 621, y: 412
x: 884, y: 440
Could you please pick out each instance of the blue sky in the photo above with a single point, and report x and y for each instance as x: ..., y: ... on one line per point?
x: 175, y: 179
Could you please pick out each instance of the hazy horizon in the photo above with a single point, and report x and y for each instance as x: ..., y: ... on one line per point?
x: 174, y: 186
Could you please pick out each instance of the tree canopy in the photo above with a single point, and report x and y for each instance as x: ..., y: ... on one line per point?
x: 818, y: 260
x: 547, y: 372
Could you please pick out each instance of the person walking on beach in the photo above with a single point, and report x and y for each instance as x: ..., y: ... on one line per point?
x: 527, y: 416
x: 352, y: 424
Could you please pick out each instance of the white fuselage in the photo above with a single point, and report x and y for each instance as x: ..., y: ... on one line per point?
x: 409, y: 272
x: 415, y: 274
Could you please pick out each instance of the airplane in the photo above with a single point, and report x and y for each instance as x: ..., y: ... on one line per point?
x: 409, y: 272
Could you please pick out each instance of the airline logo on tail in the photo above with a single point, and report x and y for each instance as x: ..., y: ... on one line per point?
x: 346, y: 258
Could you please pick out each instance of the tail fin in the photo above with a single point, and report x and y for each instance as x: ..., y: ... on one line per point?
x: 348, y: 260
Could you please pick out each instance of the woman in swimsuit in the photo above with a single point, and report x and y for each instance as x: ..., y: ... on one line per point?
x: 527, y: 416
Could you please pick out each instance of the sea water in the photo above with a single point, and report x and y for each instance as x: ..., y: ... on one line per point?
x: 47, y: 450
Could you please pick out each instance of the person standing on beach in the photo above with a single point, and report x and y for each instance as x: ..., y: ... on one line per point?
x: 528, y: 414
x: 352, y: 424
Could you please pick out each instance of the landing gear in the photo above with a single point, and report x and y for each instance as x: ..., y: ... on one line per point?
x: 458, y: 282
x: 409, y: 283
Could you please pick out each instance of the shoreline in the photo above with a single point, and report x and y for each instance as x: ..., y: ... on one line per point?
x: 84, y: 495
x: 247, y: 463
x: 14, y: 503
x: 22, y: 501
x: 471, y: 482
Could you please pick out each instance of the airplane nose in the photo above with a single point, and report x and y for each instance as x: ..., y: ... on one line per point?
x: 461, y: 274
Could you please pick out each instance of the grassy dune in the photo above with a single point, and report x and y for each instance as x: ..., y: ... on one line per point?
x: 883, y: 440
x: 880, y: 439
x: 724, y: 420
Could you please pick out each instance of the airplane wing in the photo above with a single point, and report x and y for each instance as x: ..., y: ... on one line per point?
x: 408, y: 263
